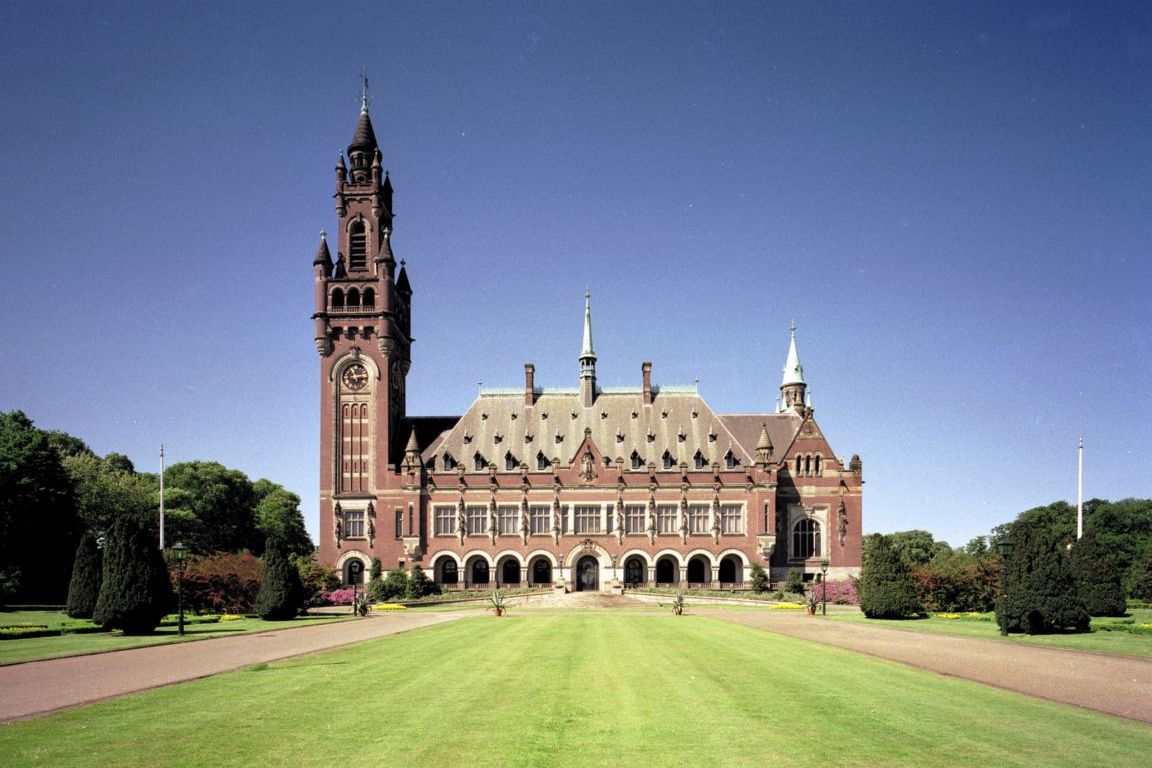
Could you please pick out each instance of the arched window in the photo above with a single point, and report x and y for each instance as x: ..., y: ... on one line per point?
x: 637, y: 461
x: 799, y: 464
x: 357, y: 246
x: 807, y: 465
x: 729, y: 568
x: 806, y: 539
x: 510, y: 462
x: 368, y: 300
x: 730, y: 461
x: 816, y: 467
x: 698, y: 571
x: 478, y: 462
x: 510, y: 572
x: 701, y: 462
x: 449, y: 574
x: 634, y: 572
x: 337, y: 299
x: 449, y: 462
x: 541, y: 572
x: 480, y: 572
x: 669, y: 462
x: 542, y: 462
x: 666, y: 571
x: 353, y: 298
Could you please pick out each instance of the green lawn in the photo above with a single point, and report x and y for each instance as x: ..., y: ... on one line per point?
x: 33, y: 648
x: 578, y: 689
x: 1098, y: 641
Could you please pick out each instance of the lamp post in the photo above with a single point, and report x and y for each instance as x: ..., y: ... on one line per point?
x: 180, y: 552
x: 824, y: 587
x: 1005, y: 546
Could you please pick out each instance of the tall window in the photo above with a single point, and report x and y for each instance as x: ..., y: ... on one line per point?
x: 637, y: 461
x: 542, y: 462
x: 399, y: 523
x: 449, y: 462
x: 477, y: 518
x: 731, y: 518
x: 700, y: 461
x: 478, y: 462
x: 587, y: 519
x: 445, y: 521
x: 538, y: 517
x: 357, y: 246
x: 806, y: 539
x: 730, y: 461
x: 353, y: 523
x: 354, y: 439
x: 368, y: 299
x: 634, y: 519
x: 666, y: 518
x: 669, y: 462
x: 449, y: 573
x: 510, y: 462
x: 508, y: 518
x: 697, y: 518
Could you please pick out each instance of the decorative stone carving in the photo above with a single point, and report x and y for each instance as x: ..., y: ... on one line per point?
x: 766, y: 545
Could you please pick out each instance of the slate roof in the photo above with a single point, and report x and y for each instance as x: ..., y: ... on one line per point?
x: 679, y: 421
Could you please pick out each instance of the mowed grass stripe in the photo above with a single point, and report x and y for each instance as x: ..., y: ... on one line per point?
x: 578, y: 689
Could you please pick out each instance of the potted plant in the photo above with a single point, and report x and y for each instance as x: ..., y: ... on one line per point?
x: 678, y: 604
x: 811, y: 603
x: 362, y: 605
x: 499, y: 605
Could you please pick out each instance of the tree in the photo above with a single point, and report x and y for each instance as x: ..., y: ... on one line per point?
x: 1140, y: 579
x: 795, y: 582
x: 36, y: 505
x: 886, y: 588
x: 315, y: 578
x: 211, y: 508
x: 758, y: 579
x: 105, y: 491
x: 225, y: 582
x: 419, y: 585
x: 915, y: 547
x: 135, y: 592
x: 278, y: 515
x: 1039, y: 590
x: 281, y: 593
x: 394, y: 586
x: 84, y: 589
x: 1098, y: 579
x: 958, y: 581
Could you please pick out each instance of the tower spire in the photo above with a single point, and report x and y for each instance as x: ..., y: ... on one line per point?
x: 792, y: 386
x: 587, y: 355
x: 364, y: 91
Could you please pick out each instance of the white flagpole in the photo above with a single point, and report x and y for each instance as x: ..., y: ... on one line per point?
x: 1080, y: 491
x: 161, y: 497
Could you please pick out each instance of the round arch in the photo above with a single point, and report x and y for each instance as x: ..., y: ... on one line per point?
x: 354, y: 560
x: 667, y: 569
x: 709, y: 557
x: 509, y: 568
x: 443, y: 561
x: 698, y: 570
x: 478, y: 568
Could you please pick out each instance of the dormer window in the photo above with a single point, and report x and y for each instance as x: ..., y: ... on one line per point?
x: 669, y: 461
x: 478, y: 462
x: 449, y: 462
x: 357, y: 246
x: 637, y: 461
x: 730, y: 461
x: 510, y: 462
x: 542, y: 462
x: 699, y: 460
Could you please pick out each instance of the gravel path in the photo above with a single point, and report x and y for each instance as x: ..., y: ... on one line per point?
x: 39, y: 687
x: 1118, y: 685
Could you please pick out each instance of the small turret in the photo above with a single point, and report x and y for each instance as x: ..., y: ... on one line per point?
x: 792, y: 386
x: 587, y: 356
x: 323, y: 261
x: 764, y: 447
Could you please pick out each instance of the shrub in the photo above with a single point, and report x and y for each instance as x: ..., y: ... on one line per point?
x: 1098, y: 580
x: 316, y: 579
x: 1140, y: 584
x: 758, y: 579
x: 135, y: 593
x: 280, y: 593
x: 958, y: 581
x: 419, y: 585
x: 886, y: 589
x: 1039, y: 590
x: 224, y: 582
x: 839, y: 592
x: 795, y: 582
x: 337, y: 597
x: 84, y: 588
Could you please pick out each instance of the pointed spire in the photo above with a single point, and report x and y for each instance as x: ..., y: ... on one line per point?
x: 403, y: 287
x: 323, y: 255
x: 413, y: 446
x: 764, y: 442
x: 793, y: 371
x: 364, y: 139
x: 587, y: 356
x: 586, y: 350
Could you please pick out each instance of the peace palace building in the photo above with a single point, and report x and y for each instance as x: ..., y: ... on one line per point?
x: 579, y: 488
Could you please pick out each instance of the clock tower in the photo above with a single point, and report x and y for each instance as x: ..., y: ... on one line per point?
x: 362, y: 326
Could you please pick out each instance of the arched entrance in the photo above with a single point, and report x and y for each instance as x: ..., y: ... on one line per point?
x: 354, y: 571
x: 666, y: 571
x: 587, y: 574
x: 730, y: 570
x: 449, y: 573
x: 698, y: 571
x: 479, y: 572
x: 510, y: 572
x: 541, y: 571
x: 635, y: 572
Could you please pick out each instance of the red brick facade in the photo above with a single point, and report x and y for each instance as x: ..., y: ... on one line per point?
x: 585, y: 487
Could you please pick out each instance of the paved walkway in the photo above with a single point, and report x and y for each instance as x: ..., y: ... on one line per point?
x: 39, y: 687
x: 1118, y: 685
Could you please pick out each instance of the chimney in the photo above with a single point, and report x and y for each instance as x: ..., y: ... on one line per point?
x: 529, y: 379
x: 647, y: 369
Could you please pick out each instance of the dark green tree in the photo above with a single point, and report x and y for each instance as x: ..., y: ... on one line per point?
x: 211, y: 508
x: 135, y: 590
x: 419, y: 585
x: 375, y: 585
x: 758, y: 579
x: 1140, y: 577
x: 396, y: 584
x: 795, y: 582
x: 84, y: 589
x: 105, y: 492
x: 278, y: 515
x: 281, y: 594
x: 36, y: 505
x: 1099, y: 582
x: 1039, y: 591
x: 886, y: 588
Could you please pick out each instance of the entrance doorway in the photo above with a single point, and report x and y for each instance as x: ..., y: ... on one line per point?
x: 587, y: 574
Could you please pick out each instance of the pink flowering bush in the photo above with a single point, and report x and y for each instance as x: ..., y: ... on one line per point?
x: 336, y: 597
x: 839, y: 592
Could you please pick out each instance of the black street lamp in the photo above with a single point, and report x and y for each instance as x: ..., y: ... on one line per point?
x: 824, y: 587
x: 180, y: 552
x: 1005, y: 546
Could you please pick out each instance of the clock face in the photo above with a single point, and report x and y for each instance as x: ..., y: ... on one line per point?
x: 355, y: 376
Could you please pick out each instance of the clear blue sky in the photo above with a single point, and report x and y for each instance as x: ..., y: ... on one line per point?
x: 952, y: 200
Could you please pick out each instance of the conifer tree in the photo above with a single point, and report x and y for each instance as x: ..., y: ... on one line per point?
x: 886, y: 587
x: 1039, y: 591
x: 84, y: 589
x: 281, y: 592
x: 135, y: 592
x: 1141, y: 578
x: 758, y: 579
x: 419, y: 585
x: 1098, y: 580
